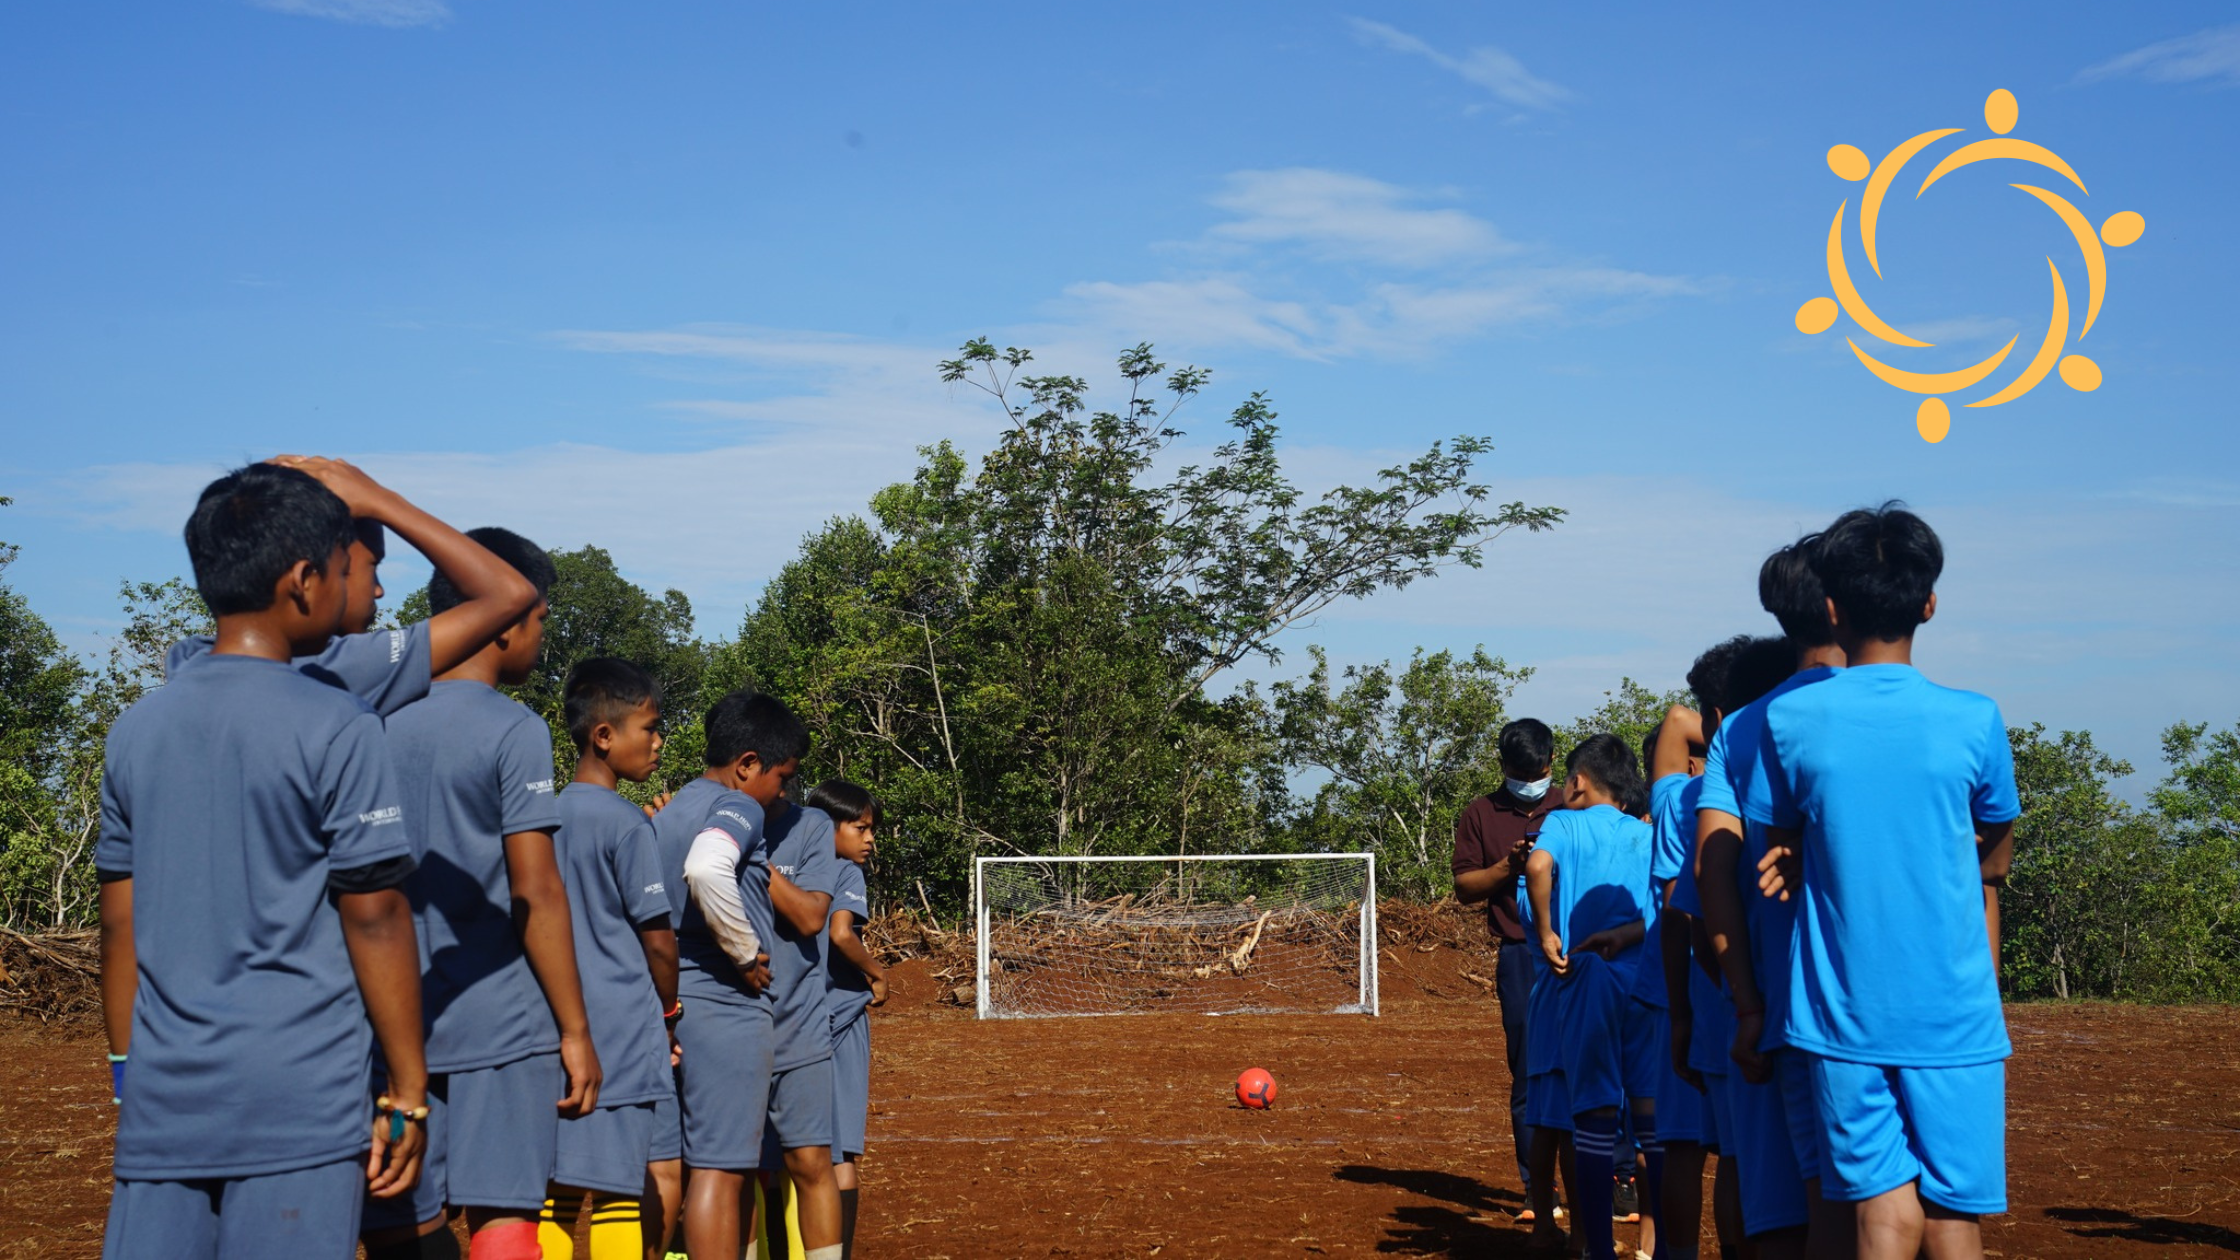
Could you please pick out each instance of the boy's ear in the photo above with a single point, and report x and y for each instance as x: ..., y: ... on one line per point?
x: 294, y: 585
x: 1835, y: 614
x: 602, y: 737
x: 1929, y: 610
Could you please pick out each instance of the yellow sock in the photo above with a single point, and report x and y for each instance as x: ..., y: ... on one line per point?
x: 555, y: 1240
x: 616, y: 1230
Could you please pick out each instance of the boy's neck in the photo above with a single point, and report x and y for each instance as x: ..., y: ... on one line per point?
x: 593, y: 769
x: 482, y: 667
x: 1897, y: 651
x: 1824, y: 656
x: 257, y: 634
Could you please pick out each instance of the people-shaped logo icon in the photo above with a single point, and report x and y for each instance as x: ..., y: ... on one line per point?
x: 1934, y: 416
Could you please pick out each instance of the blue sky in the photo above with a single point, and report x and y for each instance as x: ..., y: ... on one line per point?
x: 673, y: 279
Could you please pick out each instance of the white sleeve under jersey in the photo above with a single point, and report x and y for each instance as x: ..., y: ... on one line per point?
x: 711, y: 871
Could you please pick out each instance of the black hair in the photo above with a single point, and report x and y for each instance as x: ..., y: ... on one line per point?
x: 1707, y: 678
x: 604, y: 689
x: 843, y: 801
x: 1760, y: 667
x: 1649, y: 749
x: 1526, y: 744
x: 1790, y: 590
x: 527, y: 558
x: 1880, y: 566
x: 749, y: 722
x: 1609, y: 765
x: 254, y: 524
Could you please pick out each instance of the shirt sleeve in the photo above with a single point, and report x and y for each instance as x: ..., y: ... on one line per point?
x: 112, y: 853
x: 387, y: 669
x: 637, y: 875
x: 1470, y: 840
x: 819, y: 868
x: 364, y: 822
x: 525, y: 777
x: 1994, y: 799
x: 1781, y: 807
x: 741, y: 819
x: 1718, y: 789
x: 711, y: 871
x: 186, y: 650
x: 849, y: 894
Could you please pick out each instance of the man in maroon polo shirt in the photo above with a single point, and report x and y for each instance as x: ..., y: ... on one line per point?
x: 1489, y: 853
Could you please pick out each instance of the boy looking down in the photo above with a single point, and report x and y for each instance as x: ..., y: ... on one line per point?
x: 1892, y: 802
x: 507, y: 1032
x: 252, y: 844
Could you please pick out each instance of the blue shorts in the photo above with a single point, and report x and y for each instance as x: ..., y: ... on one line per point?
x: 851, y: 1088
x: 724, y: 1082
x: 492, y: 1135
x: 1547, y: 1102
x: 1716, y: 1122
x: 668, y: 1128
x: 607, y: 1150
x: 1647, y: 1057
x: 279, y: 1216
x: 1680, y: 1106
x: 1881, y: 1127
x: 800, y: 1111
x: 1772, y: 1188
x: 1794, y: 1076
x: 1608, y: 1038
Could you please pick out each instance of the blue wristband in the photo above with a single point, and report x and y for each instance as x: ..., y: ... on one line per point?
x: 116, y: 1078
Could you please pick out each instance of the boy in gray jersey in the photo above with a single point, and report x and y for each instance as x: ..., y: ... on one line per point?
x: 390, y: 669
x: 507, y: 1032
x: 854, y: 982
x: 251, y: 849
x: 626, y: 954
x: 805, y: 873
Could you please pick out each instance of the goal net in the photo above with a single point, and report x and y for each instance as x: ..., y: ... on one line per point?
x: 1209, y: 935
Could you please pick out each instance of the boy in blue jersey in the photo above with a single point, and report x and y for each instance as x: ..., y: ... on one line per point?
x: 1703, y: 1023
x: 626, y: 955
x: 390, y: 669
x: 507, y: 1033
x: 1773, y: 1131
x: 715, y: 861
x: 804, y: 874
x: 251, y: 850
x: 854, y: 982
x: 1547, y: 1103
x: 1892, y: 802
x: 1588, y: 881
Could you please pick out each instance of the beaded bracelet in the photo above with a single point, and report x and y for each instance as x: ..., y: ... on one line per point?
x: 398, y: 1115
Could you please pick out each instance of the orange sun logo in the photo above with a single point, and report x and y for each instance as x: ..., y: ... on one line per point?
x: 1934, y: 417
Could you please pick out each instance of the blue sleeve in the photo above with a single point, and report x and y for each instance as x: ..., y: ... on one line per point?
x: 849, y: 893
x: 636, y: 863
x: 738, y: 816
x: 364, y: 822
x: 1781, y: 808
x: 1995, y: 799
x: 387, y: 669
x: 1684, y: 897
x: 525, y: 796
x: 1674, y: 831
x: 1718, y: 789
x: 113, y: 851
x: 819, y: 870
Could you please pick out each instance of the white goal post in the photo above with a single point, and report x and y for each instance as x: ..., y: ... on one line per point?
x: 1211, y: 934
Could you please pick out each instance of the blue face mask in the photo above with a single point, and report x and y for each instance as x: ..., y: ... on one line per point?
x: 1526, y: 792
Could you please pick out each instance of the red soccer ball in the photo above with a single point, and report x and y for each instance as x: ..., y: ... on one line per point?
x: 1256, y: 1089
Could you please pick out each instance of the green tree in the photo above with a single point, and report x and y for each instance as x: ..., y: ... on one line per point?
x: 1404, y: 754
x: 2194, y: 899
x: 1630, y: 713
x: 2066, y: 914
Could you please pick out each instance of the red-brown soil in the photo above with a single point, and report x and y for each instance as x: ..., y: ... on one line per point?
x: 1120, y: 1136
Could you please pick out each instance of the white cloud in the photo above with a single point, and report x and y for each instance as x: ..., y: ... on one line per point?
x: 1335, y: 215
x: 1486, y: 66
x: 365, y: 12
x: 2212, y: 55
x: 1212, y: 311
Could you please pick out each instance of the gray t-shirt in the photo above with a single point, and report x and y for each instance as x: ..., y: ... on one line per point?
x: 388, y: 669
x: 704, y: 971
x: 230, y: 798
x: 847, y: 992
x: 476, y: 767
x: 615, y: 886
x: 801, y: 849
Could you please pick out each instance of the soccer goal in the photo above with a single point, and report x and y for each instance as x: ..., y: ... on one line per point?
x: 1212, y: 935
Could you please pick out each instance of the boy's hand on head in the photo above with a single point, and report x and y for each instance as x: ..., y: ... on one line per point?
x: 360, y: 493
x: 1779, y: 871
x: 581, y: 1063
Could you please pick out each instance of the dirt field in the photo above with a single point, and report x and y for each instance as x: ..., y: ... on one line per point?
x: 1119, y: 1137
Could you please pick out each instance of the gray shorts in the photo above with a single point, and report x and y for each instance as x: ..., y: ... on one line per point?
x: 492, y: 1136
x: 607, y: 1150
x: 800, y: 1111
x: 279, y: 1216
x: 725, y: 1082
x: 668, y: 1128
x: 851, y: 1088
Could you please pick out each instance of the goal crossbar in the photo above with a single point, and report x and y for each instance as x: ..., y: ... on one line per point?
x: 1210, y: 933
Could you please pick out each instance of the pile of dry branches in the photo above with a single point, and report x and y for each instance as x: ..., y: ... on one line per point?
x: 54, y: 977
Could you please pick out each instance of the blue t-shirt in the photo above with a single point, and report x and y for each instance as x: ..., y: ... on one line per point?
x: 800, y: 847
x: 1887, y: 773
x: 476, y: 767
x: 1601, y: 878
x: 1734, y: 778
x: 704, y: 971
x: 847, y: 992
x: 615, y: 886
x: 388, y: 669
x: 1672, y: 845
x: 230, y: 796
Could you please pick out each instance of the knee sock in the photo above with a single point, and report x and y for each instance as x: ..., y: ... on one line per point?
x: 617, y: 1231
x: 824, y: 1253
x: 847, y: 1225
x: 558, y: 1240
x: 1595, y: 1138
x: 439, y: 1245
x: 1650, y: 1187
x: 515, y: 1241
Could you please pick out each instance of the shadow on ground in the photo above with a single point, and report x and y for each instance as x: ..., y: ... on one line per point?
x: 2157, y: 1231
x: 1481, y: 1228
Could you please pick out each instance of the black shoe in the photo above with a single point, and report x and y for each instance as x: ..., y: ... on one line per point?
x: 1625, y: 1203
